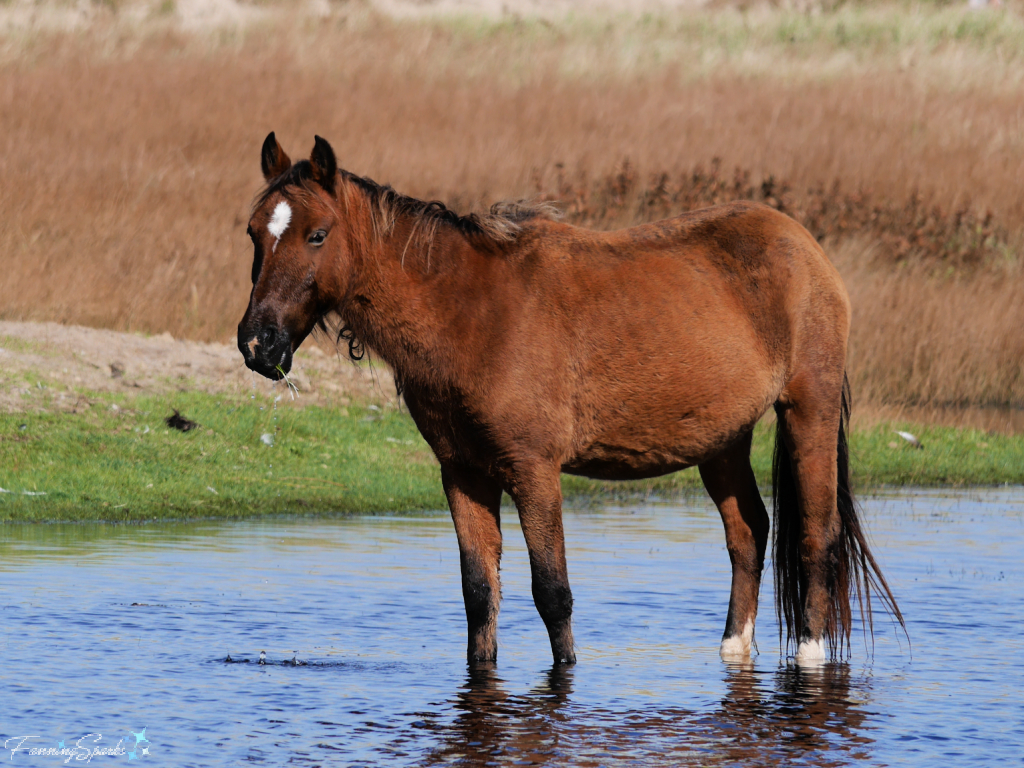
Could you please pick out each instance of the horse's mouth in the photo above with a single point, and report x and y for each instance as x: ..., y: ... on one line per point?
x: 273, y: 362
x: 274, y: 373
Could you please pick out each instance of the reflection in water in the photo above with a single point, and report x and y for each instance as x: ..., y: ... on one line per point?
x: 808, y: 715
x: 491, y: 724
x: 805, y: 717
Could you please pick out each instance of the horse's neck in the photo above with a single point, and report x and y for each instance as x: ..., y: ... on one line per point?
x: 408, y: 300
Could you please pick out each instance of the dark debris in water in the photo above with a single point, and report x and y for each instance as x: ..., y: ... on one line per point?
x: 179, y: 422
x: 265, y: 662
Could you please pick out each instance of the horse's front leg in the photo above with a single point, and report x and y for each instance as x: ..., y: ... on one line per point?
x: 537, y: 492
x: 475, y: 502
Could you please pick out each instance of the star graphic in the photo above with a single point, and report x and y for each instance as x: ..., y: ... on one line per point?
x: 132, y: 756
x: 145, y: 751
x: 140, y: 736
x: 60, y: 745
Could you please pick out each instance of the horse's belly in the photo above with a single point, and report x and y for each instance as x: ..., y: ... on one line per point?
x: 643, y: 449
x: 608, y: 464
x: 638, y: 441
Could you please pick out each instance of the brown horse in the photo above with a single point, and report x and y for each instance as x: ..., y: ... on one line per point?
x: 526, y: 347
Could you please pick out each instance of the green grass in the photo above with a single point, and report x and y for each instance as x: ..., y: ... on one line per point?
x: 15, y: 344
x: 103, y: 464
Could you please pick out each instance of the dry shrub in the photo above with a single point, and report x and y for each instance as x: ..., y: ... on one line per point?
x: 912, y: 230
x: 127, y: 175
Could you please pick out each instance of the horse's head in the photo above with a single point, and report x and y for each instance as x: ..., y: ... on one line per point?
x: 291, y: 231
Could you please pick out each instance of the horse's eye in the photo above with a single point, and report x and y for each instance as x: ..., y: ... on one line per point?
x: 317, y: 238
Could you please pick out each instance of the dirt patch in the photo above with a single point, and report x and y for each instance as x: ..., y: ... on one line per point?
x: 49, y: 366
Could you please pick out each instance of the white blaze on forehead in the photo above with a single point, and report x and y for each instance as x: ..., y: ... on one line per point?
x: 280, y: 220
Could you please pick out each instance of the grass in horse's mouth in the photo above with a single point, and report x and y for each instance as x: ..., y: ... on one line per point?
x: 292, y: 389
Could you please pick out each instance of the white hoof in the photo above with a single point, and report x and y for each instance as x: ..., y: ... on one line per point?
x: 737, y: 647
x: 811, y: 653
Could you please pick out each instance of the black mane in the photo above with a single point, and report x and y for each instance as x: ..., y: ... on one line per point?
x: 501, y: 224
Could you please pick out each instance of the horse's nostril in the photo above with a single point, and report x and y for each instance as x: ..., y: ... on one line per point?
x: 269, y: 336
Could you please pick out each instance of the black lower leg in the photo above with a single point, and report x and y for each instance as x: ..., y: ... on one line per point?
x: 553, y: 598
x: 482, y: 599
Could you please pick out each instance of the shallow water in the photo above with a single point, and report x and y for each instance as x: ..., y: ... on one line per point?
x: 111, y: 629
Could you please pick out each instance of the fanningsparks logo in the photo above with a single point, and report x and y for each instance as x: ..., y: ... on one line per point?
x: 135, y: 747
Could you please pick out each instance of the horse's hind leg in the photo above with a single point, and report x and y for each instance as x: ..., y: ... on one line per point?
x: 475, y: 503
x: 810, y: 423
x: 730, y: 482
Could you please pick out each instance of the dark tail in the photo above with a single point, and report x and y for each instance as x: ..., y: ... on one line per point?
x: 852, y: 567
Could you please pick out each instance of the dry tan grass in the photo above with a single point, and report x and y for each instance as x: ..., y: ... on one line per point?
x: 129, y: 164
x: 926, y: 339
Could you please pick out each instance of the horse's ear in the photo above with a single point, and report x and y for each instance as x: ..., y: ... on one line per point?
x: 273, y: 160
x: 325, y: 166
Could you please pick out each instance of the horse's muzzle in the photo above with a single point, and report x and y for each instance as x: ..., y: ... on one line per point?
x: 266, y: 350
